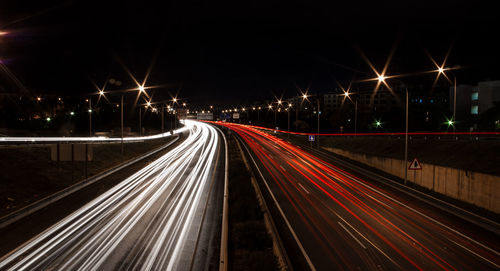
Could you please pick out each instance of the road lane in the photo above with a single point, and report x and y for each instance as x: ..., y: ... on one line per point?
x: 150, y: 221
x: 344, y: 222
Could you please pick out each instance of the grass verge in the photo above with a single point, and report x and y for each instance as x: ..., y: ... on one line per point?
x: 250, y: 246
x: 28, y: 174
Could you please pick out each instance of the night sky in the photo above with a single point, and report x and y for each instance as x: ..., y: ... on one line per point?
x: 222, y: 52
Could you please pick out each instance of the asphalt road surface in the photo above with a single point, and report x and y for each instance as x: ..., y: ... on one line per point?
x: 339, y: 221
x: 163, y: 217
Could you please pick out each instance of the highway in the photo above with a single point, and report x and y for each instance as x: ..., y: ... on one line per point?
x: 332, y: 219
x: 163, y: 217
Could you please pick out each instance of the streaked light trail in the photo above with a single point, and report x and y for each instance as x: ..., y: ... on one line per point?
x: 346, y: 222
x: 146, y: 222
x: 87, y: 139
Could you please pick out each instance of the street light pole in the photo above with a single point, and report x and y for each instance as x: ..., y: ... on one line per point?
x: 454, y: 102
x: 355, y: 117
x: 90, y: 116
x: 318, y: 121
x: 289, y: 108
x: 121, y: 107
x: 140, y: 121
x: 297, y: 116
x: 275, y: 115
x: 162, y: 118
x: 406, y: 139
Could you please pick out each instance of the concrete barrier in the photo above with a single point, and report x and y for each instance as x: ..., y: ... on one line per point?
x: 480, y: 189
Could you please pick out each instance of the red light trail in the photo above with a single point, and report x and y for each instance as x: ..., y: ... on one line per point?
x: 346, y: 222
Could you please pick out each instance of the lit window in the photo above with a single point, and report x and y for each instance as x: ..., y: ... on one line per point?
x: 474, y: 110
x: 475, y: 96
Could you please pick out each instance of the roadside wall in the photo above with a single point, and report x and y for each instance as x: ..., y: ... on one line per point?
x: 480, y: 189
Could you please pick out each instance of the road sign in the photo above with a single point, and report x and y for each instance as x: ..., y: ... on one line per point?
x: 415, y: 165
x: 311, y: 138
x: 236, y: 116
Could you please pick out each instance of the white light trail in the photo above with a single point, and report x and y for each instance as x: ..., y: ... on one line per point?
x: 146, y: 222
x: 87, y: 139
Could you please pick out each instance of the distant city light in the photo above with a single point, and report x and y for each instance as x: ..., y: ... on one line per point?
x: 141, y: 88
x: 381, y: 78
x: 48, y: 118
x: 72, y: 113
x: 90, y: 110
x: 38, y: 98
x: 101, y: 92
x: 450, y: 122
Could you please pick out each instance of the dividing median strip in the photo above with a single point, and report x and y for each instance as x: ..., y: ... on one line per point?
x: 224, y: 260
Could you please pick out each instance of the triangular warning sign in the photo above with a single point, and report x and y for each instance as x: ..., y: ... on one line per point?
x: 415, y: 164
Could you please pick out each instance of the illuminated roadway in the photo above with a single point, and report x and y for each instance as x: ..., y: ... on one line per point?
x: 160, y: 218
x: 331, y: 219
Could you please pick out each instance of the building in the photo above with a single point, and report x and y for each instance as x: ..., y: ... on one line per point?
x: 474, y: 100
x: 382, y: 101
